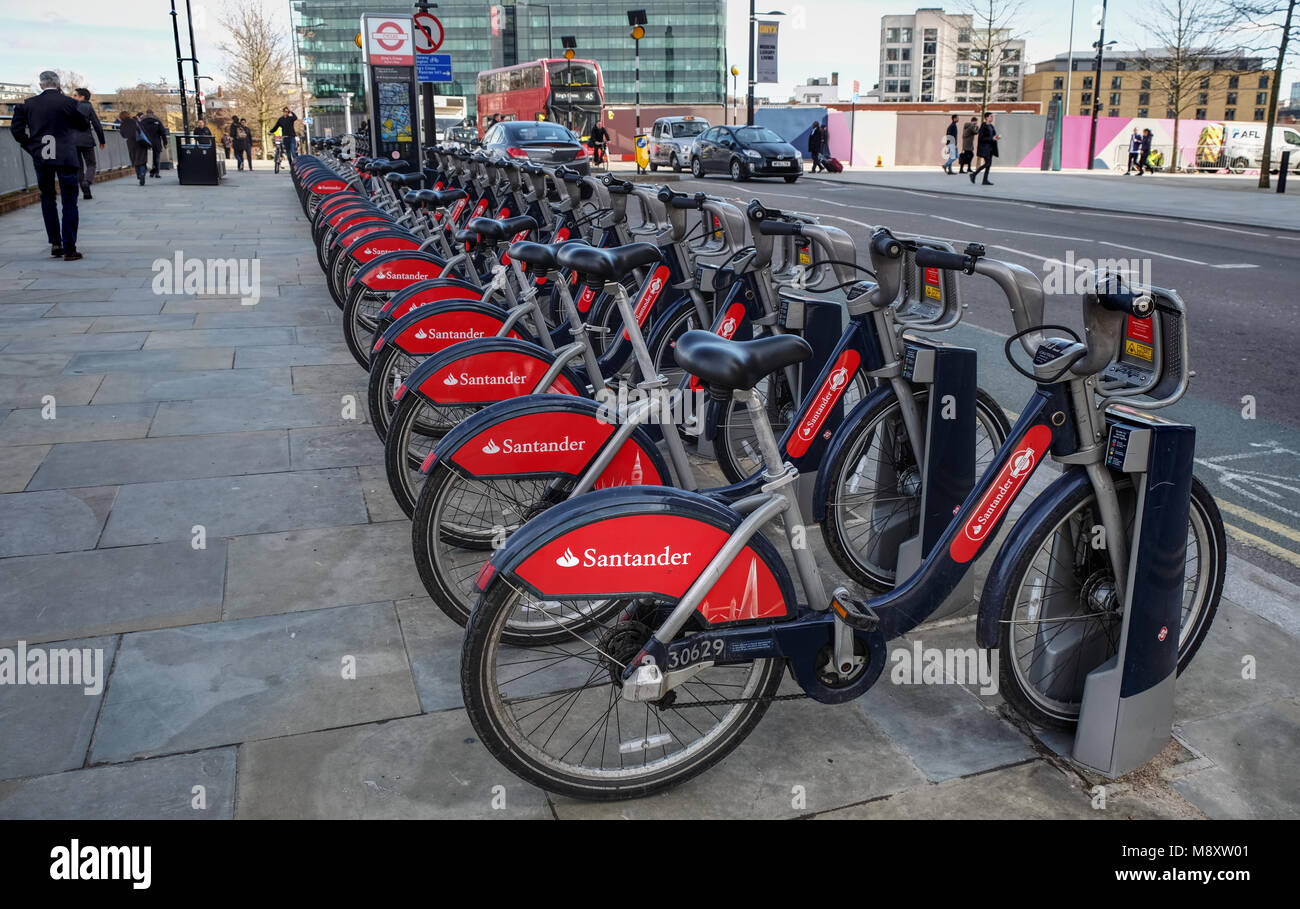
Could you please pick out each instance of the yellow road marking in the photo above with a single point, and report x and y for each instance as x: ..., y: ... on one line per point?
x: 1254, y: 542
x: 1267, y: 523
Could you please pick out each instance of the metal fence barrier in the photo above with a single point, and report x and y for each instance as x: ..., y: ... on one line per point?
x: 17, y: 172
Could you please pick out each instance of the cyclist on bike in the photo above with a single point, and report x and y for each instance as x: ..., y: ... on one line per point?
x: 285, y: 127
x: 599, y: 140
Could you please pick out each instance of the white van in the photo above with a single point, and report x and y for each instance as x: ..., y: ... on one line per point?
x: 1243, y: 145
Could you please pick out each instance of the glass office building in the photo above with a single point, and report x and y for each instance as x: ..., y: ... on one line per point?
x: 682, y: 54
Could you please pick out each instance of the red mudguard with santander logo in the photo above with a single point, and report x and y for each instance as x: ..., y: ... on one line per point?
x: 328, y: 186
x: 395, y: 271
x: 424, y: 293
x: 654, y: 542
x: 371, y: 246
x: 429, y: 329
x: 485, y: 371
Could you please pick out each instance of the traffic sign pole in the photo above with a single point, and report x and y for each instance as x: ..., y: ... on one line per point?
x: 428, y: 34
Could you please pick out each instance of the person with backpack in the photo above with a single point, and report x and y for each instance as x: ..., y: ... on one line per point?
x: 816, y: 142
x: 137, y: 144
x: 969, y: 131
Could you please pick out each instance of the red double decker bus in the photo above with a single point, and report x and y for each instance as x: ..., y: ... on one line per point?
x: 568, y: 92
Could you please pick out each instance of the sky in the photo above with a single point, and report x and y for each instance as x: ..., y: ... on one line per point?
x: 128, y: 41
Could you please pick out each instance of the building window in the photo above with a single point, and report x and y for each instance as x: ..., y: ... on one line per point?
x: 1007, y: 87
x: 1116, y: 81
x: 1203, y: 98
x: 907, y: 54
x: 1232, y: 98
x: 1259, y: 113
x: 1085, y: 112
x: 963, y: 36
x: 1232, y: 82
x: 1146, y: 82
x: 963, y: 69
x: 1261, y: 97
x: 1144, y: 98
x: 1113, y: 112
x: 1263, y: 81
x: 1056, y: 96
x: 930, y: 34
x: 1142, y: 111
x: 891, y: 35
x: 1230, y: 113
x: 1012, y: 54
x: 1120, y: 64
x: 1200, y: 114
x: 1114, y: 100
x: 1086, y: 98
x: 1205, y: 81
x: 1058, y: 82
x: 960, y: 85
x: 905, y: 35
x: 891, y: 53
x: 1087, y: 81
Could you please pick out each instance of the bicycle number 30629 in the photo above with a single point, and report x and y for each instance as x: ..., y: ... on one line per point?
x: 689, y: 653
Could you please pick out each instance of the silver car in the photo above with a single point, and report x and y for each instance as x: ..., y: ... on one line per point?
x: 671, y: 139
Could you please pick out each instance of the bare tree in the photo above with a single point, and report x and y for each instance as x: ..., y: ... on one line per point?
x: 1185, y: 39
x: 1268, y: 26
x: 257, y: 64
x: 993, y: 28
x: 145, y: 96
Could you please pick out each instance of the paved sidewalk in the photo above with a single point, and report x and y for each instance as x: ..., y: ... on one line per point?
x: 201, y: 508
x: 1222, y: 199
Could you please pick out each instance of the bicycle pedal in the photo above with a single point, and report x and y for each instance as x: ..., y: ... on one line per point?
x: 854, y: 611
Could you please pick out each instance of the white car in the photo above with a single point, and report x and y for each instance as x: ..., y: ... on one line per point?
x: 671, y: 139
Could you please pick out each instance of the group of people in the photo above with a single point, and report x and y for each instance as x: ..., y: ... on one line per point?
x: 145, y: 136
x: 978, y: 140
x: 239, y: 138
x: 1139, y: 152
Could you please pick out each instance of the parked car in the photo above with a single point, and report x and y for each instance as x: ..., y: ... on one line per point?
x: 671, y: 140
x: 465, y: 136
x: 744, y: 152
x: 540, y: 141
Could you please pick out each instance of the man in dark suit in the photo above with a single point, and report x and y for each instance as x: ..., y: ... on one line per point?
x: 46, y: 126
x: 155, y: 132
x: 986, y: 148
x: 86, y: 140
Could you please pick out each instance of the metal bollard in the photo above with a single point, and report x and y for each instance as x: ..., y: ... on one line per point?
x: 1283, y: 166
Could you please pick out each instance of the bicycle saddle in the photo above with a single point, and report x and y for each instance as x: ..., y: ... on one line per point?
x: 398, y: 179
x: 611, y: 264
x: 437, y: 198
x: 737, y: 364
x: 538, y: 255
x: 498, y: 229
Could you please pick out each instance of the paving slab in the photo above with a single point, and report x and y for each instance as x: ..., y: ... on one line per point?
x: 135, y: 306
x: 181, y: 689
x: 170, y: 458
x: 163, y: 788
x: 1252, y: 776
x: 1034, y: 790
x: 247, y: 414
x: 42, y: 328
x: 833, y: 752
x: 380, y: 503
x: 234, y: 506
x: 192, y: 385
x: 100, y: 591
x: 427, y: 766
x: 77, y: 343
x: 87, y: 423
x: 341, y: 378
x: 25, y: 311
x: 433, y: 644
x: 220, y: 337
x: 48, y: 727
x: 151, y: 361
x: 56, y: 520
x: 152, y: 321
x: 22, y: 391
x: 271, y: 315
x: 294, y: 355
x: 17, y: 465
x: 288, y: 572
x: 48, y: 364
x: 335, y: 446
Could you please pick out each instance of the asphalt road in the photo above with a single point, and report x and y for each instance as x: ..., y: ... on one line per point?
x: 1242, y: 294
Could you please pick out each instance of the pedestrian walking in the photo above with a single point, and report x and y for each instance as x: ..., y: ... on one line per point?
x: 1144, y: 153
x: 986, y: 147
x: 242, y: 140
x: 1134, y: 152
x: 156, y: 133
x: 46, y: 126
x: 226, y: 143
x: 970, y: 129
x: 950, y: 146
x: 137, y: 144
x: 86, y: 141
x: 286, y: 127
x: 816, y: 142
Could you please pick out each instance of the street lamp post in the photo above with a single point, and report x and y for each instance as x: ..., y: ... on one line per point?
x: 637, y: 19
x: 180, y: 70
x: 194, y: 62
x: 735, y: 92
x: 1096, y: 86
x: 753, y: 19
x: 347, y: 113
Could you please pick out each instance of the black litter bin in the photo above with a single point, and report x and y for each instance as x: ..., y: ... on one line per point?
x: 196, y: 163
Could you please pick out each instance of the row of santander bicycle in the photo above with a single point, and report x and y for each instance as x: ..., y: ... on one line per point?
x: 545, y: 350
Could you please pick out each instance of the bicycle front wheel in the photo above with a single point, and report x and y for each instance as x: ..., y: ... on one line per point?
x: 554, y: 716
x: 1061, y: 617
